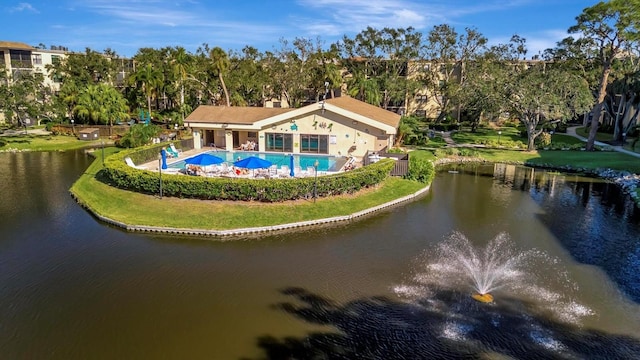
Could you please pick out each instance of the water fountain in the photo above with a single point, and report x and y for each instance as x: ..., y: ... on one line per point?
x: 499, y: 267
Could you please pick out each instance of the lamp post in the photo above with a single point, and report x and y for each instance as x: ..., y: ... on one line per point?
x: 499, y: 135
x: 315, y: 183
x: 102, y: 143
x: 73, y: 128
x: 551, y: 137
x: 160, y: 172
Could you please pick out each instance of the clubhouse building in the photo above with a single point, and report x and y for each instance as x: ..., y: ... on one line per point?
x: 341, y: 126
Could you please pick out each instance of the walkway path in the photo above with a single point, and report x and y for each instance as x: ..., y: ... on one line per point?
x: 16, y: 132
x: 572, y: 132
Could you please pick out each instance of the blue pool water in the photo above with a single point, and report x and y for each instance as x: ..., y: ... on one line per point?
x: 325, y: 163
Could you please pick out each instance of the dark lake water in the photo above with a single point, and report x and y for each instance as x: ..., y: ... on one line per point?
x: 72, y: 287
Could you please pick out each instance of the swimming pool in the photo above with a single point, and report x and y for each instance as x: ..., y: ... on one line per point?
x: 325, y: 162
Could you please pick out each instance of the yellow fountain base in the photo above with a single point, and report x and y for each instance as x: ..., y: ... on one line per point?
x: 485, y: 298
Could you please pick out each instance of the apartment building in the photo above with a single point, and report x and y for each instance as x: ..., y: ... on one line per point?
x: 16, y: 57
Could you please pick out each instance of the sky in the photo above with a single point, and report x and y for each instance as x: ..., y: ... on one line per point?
x: 128, y: 25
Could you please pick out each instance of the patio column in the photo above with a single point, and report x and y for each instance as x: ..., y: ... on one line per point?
x: 197, y: 139
x: 228, y: 140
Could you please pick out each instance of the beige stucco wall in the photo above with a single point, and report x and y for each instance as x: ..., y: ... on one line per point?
x: 344, y: 133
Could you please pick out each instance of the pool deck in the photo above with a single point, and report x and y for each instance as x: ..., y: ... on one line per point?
x: 153, y: 165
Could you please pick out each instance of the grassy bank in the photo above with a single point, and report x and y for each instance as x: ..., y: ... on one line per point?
x: 139, y: 209
x: 29, y: 142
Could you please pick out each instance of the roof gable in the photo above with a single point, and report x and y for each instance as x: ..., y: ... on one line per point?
x: 261, y: 117
x: 367, y: 110
x: 241, y: 115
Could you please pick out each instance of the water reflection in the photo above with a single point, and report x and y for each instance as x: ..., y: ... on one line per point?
x: 593, y: 219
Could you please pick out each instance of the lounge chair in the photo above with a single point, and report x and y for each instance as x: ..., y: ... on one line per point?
x: 173, y: 151
x: 132, y: 164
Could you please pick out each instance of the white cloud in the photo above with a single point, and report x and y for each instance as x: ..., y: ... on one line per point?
x: 23, y: 7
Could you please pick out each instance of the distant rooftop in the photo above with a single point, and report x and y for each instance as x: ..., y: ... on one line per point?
x: 15, y: 45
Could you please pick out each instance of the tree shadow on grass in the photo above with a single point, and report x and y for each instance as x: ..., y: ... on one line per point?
x: 447, y: 325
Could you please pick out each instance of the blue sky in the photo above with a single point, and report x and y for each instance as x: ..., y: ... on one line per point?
x: 127, y: 25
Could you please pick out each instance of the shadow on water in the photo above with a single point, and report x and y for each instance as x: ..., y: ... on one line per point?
x: 447, y: 325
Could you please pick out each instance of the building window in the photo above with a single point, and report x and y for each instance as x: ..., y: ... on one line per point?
x: 37, y: 59
x: 20, y: 58
x: 56, y: 77
x: 421, y: 98
x: 421, y: 113
x: 317, y: 144
x: 277, y: 104
x: 279, y: 142
x: 252, y: 134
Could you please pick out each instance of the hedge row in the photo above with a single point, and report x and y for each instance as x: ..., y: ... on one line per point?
x: 120, y: 175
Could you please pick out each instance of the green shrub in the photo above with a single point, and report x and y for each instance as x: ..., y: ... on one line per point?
x: 469, y: 152
x: 138, y: 135
x: 543, y: 140
x: 421, y: 170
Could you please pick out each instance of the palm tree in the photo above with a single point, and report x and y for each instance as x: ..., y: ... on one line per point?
x: 149, y: 79
x: 181, y: 63
x: 220, y: 64
x: 114, y: 105
x: 363, y: 88
x: 89, y: 104
x: 101, y: 103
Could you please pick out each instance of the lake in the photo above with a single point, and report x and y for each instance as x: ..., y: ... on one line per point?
x: 75, y: 288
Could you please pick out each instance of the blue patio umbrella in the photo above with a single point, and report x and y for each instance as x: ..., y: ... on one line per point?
x: 253, y: 162
x: 204, y: 159
x: 163, y: 152
x: 291, y: 165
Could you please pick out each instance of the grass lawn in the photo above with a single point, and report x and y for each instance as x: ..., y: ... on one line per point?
x: 577, y: 159
x: 45, y: 143
x: 482, y: 135
x: 565, y: 139
x: 139, y: 209
x: 600, y: 136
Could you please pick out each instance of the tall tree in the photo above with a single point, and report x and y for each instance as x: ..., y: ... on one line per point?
x: 449, y: 53
x: 86, y: 68
x: 611, y: 27
x: 382, y: 57
x: 289, y: 70
x: 21, y: 96
x: 220, y: 66
x: 540, y: 94
x: 149, y: 79
x: 181, y: 62
x: 246, y: 78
